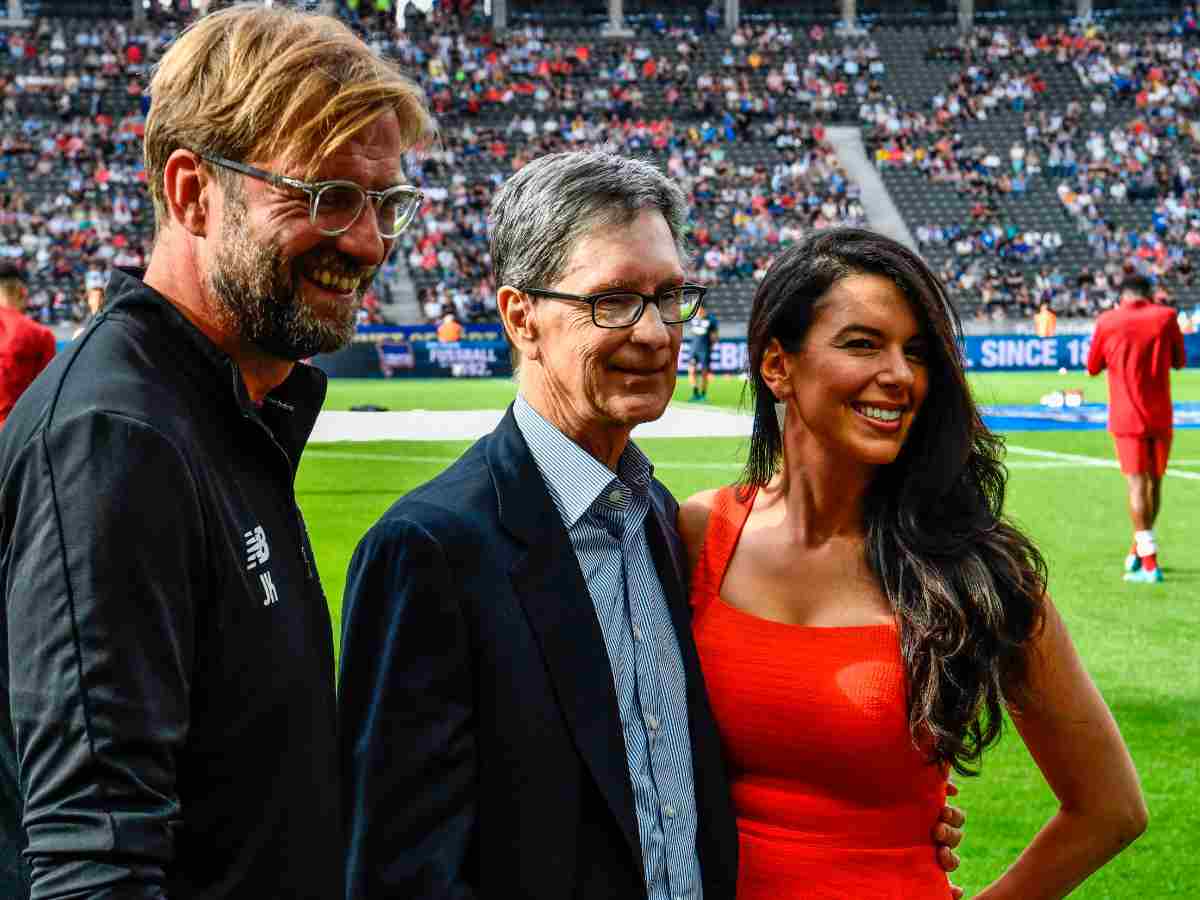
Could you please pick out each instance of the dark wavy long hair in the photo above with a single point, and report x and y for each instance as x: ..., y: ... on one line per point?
x: 966, y: 586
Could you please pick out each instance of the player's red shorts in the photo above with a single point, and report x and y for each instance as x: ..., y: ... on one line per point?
x: 1143, y: 455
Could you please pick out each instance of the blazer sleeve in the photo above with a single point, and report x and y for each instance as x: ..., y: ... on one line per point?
x: 100, y: 582
x: 406, y: 721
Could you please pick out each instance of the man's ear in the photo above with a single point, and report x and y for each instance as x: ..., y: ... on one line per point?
x: 187, y: 191
x: 776, y: 371
x: 519, y: 315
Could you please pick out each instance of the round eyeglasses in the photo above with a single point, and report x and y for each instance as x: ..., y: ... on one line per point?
x: 620, y: 309
x: 334, y: 206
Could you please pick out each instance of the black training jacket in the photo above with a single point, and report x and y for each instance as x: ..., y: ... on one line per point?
x: 167, y: 706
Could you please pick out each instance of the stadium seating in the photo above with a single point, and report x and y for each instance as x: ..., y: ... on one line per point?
x: 737, y: 120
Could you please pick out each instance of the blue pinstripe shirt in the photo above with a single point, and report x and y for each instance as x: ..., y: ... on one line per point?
x: 605, y: 516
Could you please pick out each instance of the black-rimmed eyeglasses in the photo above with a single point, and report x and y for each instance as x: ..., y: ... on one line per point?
x: 334, y: 206
x: 620, y: 309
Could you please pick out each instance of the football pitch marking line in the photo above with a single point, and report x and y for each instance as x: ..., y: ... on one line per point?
x: 446, y: 460
x: 1077, y: 459
x: 1056, y: 461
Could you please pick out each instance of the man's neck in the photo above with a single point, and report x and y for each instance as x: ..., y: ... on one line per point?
x: 605, y: 445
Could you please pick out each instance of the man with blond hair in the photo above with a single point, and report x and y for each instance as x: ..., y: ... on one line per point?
x: 169, y: 719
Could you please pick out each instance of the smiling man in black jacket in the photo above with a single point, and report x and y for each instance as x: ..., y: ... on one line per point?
x: 167, y: 724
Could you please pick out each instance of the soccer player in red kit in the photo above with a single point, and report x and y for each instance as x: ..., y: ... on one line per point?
x: 25, y: 346
x: 1139, y: 343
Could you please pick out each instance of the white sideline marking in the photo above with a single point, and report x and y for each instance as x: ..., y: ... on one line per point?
x: 446, y: 460
x: 658, y: 464
x: 678, y: 421
x: 1077, y: 459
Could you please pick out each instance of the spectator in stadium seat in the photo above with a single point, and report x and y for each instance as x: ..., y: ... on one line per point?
x: 173, y: 709
x: 449, y: 331
x: 922, y: 611
x: 1139, y: 343
x: 519, y: 697
x: 26, y: 347
x: 1045, y: 322
x: 94, y: 300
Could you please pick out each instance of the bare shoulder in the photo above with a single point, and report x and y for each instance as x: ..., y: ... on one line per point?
x: 693, y: 521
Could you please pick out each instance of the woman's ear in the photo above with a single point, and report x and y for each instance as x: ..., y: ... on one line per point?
x: 776, y: 371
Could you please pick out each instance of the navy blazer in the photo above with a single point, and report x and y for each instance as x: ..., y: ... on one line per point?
x: 482, y: 751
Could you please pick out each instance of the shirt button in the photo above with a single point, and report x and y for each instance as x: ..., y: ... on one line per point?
x: 616, y: 496
x: 637, y: 633
x: 652, y: 721
x: 669, y: 811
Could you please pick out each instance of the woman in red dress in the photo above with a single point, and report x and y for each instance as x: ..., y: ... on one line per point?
x: 864, y: 612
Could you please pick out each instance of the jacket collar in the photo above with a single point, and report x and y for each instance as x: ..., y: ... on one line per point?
x: 290, y: 411
x: 547, y: 580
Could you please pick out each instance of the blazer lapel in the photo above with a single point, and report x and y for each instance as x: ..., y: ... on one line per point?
x: 554, y: 595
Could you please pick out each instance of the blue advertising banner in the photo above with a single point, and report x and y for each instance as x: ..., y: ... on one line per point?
x: 386, y: 351
x: 1021, y: 352
x: 417, y: 359
x: 729, y: 355
x: 981, y: 353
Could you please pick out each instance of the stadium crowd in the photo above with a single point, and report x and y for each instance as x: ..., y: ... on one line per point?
x: 759, y: 173
x: 736, y: 119
x: 1119, y: 158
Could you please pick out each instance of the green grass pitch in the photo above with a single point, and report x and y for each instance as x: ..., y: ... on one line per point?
x: 1139, y: 642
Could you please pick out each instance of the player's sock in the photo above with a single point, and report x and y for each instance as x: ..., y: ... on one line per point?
x: 1147, y: 549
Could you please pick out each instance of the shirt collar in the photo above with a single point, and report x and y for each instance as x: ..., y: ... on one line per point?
x: 575, y: 478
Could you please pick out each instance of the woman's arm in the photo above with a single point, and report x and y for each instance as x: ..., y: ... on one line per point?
x: 692, y: 522
x: 1073, y: 738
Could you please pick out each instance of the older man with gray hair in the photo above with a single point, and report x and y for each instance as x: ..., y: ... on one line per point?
x: 521, y: 707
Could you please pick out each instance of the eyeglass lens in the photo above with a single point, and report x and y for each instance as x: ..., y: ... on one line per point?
x: 674, y: 306
x: 338, y: 207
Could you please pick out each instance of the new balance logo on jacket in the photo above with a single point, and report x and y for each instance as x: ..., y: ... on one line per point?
x: 258, y: 551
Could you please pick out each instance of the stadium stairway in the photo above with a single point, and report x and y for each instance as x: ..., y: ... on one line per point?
x: 877, y: 202
x: 404, y: 309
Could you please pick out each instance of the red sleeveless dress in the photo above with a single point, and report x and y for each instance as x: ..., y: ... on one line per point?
x: 832, y: 799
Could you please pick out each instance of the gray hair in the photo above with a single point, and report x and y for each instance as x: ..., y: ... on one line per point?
x: 541, y: 213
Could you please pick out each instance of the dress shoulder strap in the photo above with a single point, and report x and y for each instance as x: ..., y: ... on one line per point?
x: 725, y: 522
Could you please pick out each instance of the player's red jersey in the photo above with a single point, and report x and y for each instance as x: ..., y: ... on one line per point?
x: 25, y: 349
x: 1139, y: 343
